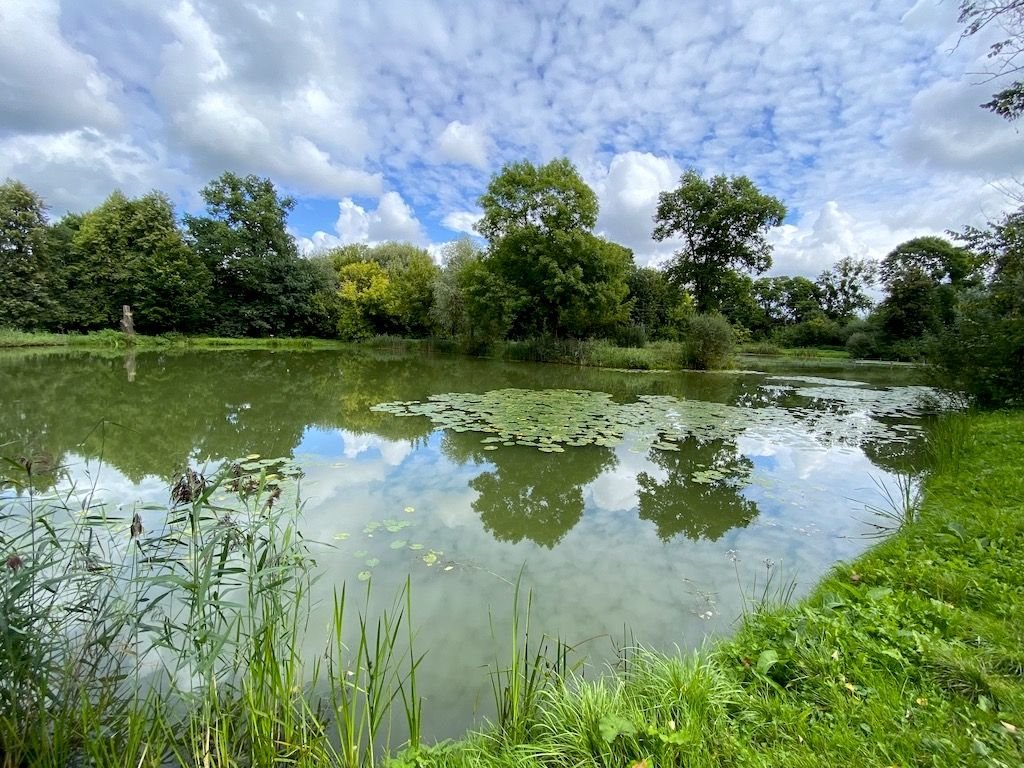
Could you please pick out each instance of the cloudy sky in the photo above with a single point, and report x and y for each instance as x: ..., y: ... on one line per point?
x: 386, y: 118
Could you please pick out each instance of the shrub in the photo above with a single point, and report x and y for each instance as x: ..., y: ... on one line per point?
x: 708, y: 343
x: 816, y: 332
x: 862, y: 345
x: 982, y: 351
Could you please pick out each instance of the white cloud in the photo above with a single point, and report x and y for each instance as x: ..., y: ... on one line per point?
x: 45, y: 83
x: 461, y: 143
x: 393, y: 219
x: 462, y: 221
x: 882, y: 121
x: 628, y: 194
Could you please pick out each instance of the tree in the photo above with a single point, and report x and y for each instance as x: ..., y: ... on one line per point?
x: 977, y: 15
x: 448, y: 313
x: 539, y: 221
x: 367, y: 299
x: 981, y: 351
x: 412, y: 272
x: 132, y: 252
x: 722, y: 223
x: 655, y: 304
x: 923, y: 278
x: 843, y: 287
x: 260, y: 284
x: 547, y: 199
x: 26, y: 301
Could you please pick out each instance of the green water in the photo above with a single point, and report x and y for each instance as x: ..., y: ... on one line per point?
x: 657, y: 530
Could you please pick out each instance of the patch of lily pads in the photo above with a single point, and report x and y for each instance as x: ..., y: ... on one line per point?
x: 554, y: 419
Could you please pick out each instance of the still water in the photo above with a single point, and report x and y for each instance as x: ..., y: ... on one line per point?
x: 666, y: 504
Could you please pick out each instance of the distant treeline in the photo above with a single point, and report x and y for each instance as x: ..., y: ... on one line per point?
x: 544, y: 273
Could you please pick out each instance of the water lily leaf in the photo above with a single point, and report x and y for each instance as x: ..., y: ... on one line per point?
x: 430, y: 558
x: 415, y: 546
x: 341, y: 536
x: 373, y: 562
x: 409, y: 510
x: 398, y: 544
x: 363, y: 576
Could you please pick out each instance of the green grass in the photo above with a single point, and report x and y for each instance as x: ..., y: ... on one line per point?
x: 769, y: 349
x: 108, y: 339
x: 911, y: 655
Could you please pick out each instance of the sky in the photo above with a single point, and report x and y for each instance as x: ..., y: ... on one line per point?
x: 385, y: 119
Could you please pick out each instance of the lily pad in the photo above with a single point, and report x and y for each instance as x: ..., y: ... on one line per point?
x: 363, y: 576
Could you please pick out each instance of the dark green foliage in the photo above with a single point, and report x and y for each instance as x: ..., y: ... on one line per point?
x: 708, y: 342
x: 547, y: 272
x: 722, y: 223
x: 981, y: 350
x: 655, y: 304
x: 261, y: 287
x: 131, y: 252
x: 26, y: 300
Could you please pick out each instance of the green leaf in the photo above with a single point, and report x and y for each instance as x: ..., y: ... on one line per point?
x: 613, y: 726
x: 767, y: 660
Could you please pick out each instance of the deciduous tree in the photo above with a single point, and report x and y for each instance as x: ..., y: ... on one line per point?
x: 722, y: 223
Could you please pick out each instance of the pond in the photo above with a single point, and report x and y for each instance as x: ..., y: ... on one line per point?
x: 639, y: 507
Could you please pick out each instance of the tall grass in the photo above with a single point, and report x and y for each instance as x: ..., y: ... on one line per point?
x: 171, y: 635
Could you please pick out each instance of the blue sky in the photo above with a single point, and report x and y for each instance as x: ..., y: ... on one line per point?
x: 386, y: 119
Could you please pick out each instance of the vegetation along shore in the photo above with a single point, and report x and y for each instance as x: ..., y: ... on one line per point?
x: 910, y: 655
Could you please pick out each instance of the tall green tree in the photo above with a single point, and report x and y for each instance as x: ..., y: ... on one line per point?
x: 261, y: 286
x: 538, y: 221
x: 546, y: 199
x: 722, y: 223
x: 130, y: 251
x: 448, y: 313
x: 25, y: 300
x: 923, y: 278
x: 982, y: 350
x: 843, y: 287
x: 386, y: 288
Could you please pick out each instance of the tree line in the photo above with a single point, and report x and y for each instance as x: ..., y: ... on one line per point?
x: 543, y: 273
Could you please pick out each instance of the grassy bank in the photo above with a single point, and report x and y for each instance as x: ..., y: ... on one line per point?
x: 11, y: 339
x: 912, y: 655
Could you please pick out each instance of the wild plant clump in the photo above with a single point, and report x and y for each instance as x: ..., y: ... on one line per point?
x: 171, y: 636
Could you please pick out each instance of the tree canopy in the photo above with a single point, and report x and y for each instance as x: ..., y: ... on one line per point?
x: 548, y: 270
x: 722, y: 223
x: 547, y: 199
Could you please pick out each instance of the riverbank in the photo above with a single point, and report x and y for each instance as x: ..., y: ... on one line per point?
x: 911, y: 655
x: 654, y: 356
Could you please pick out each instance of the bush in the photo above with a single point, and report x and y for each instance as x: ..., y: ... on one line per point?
x: 708, y: 343
x: 982, y: 351
x: 816, y: 332
x: 862, y: 345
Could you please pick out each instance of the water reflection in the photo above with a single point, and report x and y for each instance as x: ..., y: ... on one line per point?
x: 525, y: 494
x: 610, y: 536
x: 699, y: 493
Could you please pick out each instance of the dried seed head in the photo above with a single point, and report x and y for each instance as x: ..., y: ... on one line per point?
x: 188, y: 487
x: 136, y: 529
x: 14, y: 562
